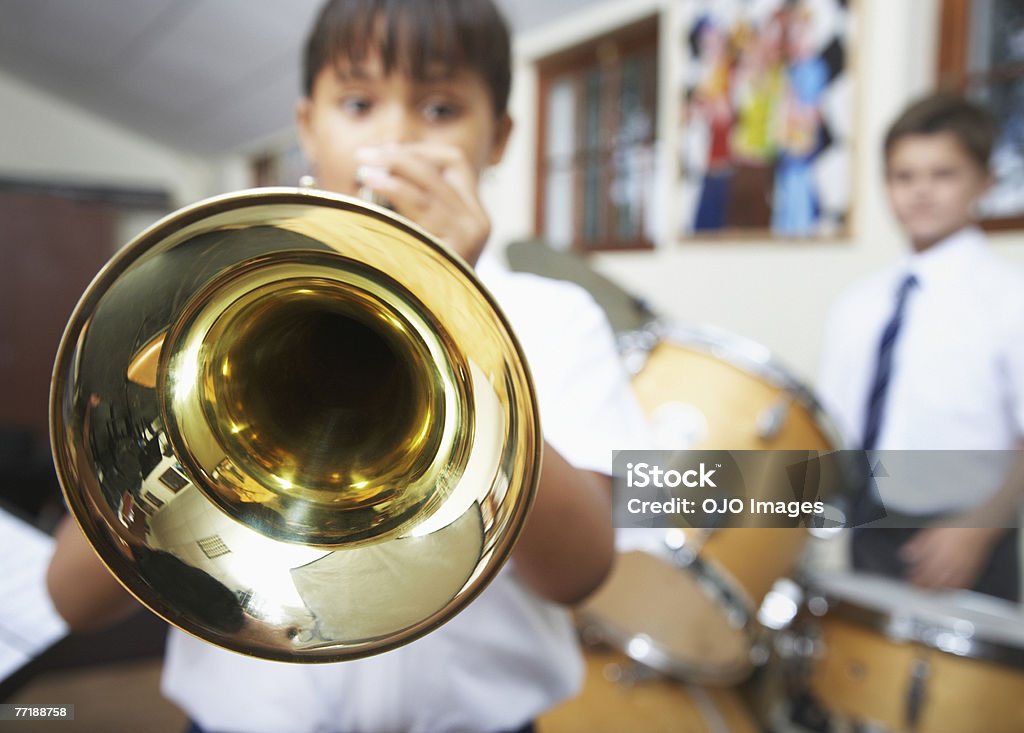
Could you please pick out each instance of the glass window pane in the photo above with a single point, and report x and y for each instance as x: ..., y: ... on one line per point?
x: 996, y: 34
x: 558, y: 208
x: 592, y: 108
x: 1006, y: 101
x: 593, y: 172
x: 561, y: 144
x: 561, y: 119
x: 596, y: 170
x: 632, y: 170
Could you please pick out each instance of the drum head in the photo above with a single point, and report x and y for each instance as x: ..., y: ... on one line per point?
x: 703, y: 388
x: 660, y: 616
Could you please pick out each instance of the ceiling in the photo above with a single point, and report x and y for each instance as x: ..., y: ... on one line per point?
x: 203, y: 76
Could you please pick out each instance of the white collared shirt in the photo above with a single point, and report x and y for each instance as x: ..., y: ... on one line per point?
x: 509, y: 655
x: 958, y: 366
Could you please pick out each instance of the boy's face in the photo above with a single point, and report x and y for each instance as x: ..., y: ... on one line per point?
x: 349, y: 115
x: 933, y: 186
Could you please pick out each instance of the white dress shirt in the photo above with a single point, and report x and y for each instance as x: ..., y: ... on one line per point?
x: 958, y: 366
x: 509, y: 655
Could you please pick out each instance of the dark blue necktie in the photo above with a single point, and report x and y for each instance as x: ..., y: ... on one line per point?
x: 883, y: 366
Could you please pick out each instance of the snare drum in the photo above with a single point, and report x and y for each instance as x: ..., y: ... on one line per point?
x: 685, y: 603
x: 905, y: 659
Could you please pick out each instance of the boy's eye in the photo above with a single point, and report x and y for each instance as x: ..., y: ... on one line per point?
x: 355, y: 105
x: 440, y: 110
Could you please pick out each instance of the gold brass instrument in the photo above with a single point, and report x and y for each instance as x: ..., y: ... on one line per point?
x: 295, y: 425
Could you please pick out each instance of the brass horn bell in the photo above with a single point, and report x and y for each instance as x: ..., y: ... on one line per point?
x: 295, y: 425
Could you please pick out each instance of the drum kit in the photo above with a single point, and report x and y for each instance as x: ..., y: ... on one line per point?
x: 726, y: 629
x: 693, y: 628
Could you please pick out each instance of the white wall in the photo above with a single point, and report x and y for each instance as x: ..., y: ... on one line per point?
x: 46, y: 139
x: 775, y: 293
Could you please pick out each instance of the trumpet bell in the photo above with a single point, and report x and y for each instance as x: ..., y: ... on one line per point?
x: 295, y: 425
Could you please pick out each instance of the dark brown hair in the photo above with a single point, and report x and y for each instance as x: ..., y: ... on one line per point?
x: 417, y: 37
x: 974, y: 127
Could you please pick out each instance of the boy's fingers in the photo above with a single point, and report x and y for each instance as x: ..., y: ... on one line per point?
x: 916, y: 548
x: 932, y: 572
x: 415, y: 168
x: 453, y: 164
x: 446, y: 156
x: 421, y: 206
x: 407, y: 199
x: 924, y: 575
x: 411, y: 165
x: 937, y: 560
x: 433, y: 185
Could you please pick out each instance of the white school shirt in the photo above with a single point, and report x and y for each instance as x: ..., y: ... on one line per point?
x: 509, y: 655
x: 958, y: 369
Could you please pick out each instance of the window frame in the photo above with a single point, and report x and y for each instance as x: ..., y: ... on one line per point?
x: 610, y: 48
x: 954, y: 75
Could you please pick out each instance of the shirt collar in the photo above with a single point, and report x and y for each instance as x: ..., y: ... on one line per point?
x: 945, y: 258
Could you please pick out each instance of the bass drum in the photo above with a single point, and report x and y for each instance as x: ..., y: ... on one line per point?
x: 899, y: 658
x: 619, y: 696
x: 685, y: 601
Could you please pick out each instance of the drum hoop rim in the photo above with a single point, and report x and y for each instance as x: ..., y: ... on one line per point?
x: 924, y: 631
x: 658, y: 658
x: 739, y: 351
x: 716, y: 583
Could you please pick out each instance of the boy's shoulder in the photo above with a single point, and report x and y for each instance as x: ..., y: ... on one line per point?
x: 868, y: 291
x: 559, y: 324
x: 999, y: 283
x: 1003, y: 270
x: 975, y: 268
x: 981, y: 272
x: 549, y: 298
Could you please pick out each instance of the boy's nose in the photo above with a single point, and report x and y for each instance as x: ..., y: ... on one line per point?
x: 397, y: 125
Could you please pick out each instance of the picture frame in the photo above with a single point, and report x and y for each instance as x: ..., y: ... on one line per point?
x: 766, y: 119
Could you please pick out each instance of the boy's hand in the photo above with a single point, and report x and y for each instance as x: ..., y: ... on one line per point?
x: 948, y: 557
x: 435, y: 186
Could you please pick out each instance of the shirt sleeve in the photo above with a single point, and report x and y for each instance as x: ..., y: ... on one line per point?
x: 587, y: 405
x: 589, y: 409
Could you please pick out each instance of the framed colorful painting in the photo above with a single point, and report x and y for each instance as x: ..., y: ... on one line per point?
x: 766, y: 118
